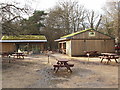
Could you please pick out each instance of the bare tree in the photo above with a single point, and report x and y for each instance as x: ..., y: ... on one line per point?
x: 112, y: 13
x: 11, y: 13
x: 74, y: 15
x: 65, y: 18
x: 93, y: 19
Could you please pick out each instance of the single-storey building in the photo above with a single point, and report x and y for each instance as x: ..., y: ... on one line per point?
x: 28, y: 43
x: 77, y: 43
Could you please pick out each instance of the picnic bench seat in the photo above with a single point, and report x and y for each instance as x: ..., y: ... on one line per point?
x: 91, y: 53
x: 67, y: 66
x: 57, y: 65
x: 5, y: 54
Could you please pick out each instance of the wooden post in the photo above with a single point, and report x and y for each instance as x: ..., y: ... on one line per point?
x: 9, y: 57
x: 58, y: 47
x: 88, y: 56
x: 62, y: 49
x: 48, y: 58
x: 27, y: 48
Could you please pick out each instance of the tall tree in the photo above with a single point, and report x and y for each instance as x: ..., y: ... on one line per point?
x: 33, y: 24
x: 65, y: 18
x: 112, y: 13
x: 74, y: 15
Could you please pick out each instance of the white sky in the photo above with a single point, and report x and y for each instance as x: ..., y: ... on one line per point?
x: 46, y: 4
x: 89, y: 4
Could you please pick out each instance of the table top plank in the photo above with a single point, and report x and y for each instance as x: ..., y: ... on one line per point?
x: 63, y: 60
x: 110, y: 54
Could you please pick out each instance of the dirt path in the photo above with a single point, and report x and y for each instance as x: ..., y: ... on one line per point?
x: 35, y: 72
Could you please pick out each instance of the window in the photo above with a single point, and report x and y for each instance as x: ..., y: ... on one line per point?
x: 91, y: 33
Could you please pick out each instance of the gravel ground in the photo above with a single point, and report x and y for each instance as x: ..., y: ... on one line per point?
x: 35, y: 72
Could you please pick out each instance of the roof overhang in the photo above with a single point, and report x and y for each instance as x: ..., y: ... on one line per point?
x: 21, y: 41
x: 62, y: 39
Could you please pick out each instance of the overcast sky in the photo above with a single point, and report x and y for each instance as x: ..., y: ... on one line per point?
x: 90, y: 4
x: 46, y: 4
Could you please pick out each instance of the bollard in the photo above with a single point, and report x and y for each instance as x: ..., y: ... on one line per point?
x: 88, y: 56
x: 9, y: 57
x: 48, y: 58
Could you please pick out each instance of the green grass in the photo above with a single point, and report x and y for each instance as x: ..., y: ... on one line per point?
x: 24, y: 37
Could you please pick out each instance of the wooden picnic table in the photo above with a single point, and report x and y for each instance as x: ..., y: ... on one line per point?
x: 19, y: 55
x: 109, y: 56
x: 5, y: 54
x: 92, y: 53
x: 62, y: 63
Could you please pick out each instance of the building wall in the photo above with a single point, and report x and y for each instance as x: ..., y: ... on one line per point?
x: 7, y: 47
x: 68, y: 48
x: 79, y: 46
x: 11, y: 47
x: 37, y: 46
x: 86, y: 35
x: 110, y: 45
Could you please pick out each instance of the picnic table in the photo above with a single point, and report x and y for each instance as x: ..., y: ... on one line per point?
x: 109, y: 56
x: 62, y: 63
x: 92, y: 53
x: 19, y: 55
x: 5, y: 54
